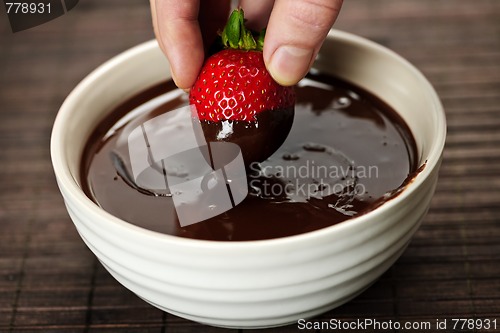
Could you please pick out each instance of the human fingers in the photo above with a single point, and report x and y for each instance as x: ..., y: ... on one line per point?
x: 179, y: 36
x: 295, y: 33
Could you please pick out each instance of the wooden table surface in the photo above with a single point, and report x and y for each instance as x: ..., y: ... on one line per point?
x: 51, y: 282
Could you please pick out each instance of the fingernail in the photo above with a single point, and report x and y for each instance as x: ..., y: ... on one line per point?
x: 289, y: 64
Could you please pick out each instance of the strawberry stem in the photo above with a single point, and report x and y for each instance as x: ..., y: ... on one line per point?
x: 236, y: 36
x: 260, y: 39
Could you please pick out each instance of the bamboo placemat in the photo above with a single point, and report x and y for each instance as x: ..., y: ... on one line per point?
x: 49, y: 280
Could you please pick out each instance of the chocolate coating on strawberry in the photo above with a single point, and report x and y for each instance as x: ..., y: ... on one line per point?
x: 236, y: 98
x: 258, y: 139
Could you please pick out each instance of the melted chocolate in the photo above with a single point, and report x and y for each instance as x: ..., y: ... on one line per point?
x: 346, y: 154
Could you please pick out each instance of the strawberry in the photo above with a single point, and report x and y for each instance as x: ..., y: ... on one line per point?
x: 235, y: 85
x: 236, y: 98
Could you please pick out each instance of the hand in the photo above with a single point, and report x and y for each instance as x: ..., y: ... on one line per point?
x: 296, y: 30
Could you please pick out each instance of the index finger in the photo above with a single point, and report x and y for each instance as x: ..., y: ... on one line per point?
x: 178, y: 33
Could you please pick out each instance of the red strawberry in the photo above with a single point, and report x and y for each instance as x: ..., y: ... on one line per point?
x: 235, y: 85
x: 236, y: 98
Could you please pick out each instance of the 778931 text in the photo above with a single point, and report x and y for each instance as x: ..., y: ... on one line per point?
x: 27, y: 7
x: 369, y: 323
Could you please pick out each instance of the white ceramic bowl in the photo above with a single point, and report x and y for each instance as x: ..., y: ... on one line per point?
x: 257, y: 283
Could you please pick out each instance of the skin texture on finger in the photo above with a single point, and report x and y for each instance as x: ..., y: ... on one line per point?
x: 294, y: 36
x: 257, y: 13
x: 177, y: 28
x: 154, y: 18
x: 179, y: 36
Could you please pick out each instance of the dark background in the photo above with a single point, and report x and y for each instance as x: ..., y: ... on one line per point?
x: 50, y: 281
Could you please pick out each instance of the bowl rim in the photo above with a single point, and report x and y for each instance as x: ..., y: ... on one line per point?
x: 68, y: 183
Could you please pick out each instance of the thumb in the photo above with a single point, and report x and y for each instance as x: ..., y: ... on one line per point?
x: 295, y: 33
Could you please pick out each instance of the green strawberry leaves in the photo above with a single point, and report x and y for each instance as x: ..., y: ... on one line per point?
x: 236, y: 36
